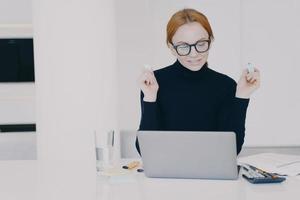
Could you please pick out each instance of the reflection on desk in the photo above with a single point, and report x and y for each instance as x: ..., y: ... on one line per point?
x: 24, y: 180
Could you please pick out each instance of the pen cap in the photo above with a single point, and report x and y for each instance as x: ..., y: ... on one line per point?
x: 250, y: 68
x: 148, y: 67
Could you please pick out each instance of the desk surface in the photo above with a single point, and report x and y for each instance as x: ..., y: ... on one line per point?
x: 28, y: 181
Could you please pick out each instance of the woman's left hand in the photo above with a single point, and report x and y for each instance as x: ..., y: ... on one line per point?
x: 248, y: 83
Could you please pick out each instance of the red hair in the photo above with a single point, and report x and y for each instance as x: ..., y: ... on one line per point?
x: 185, y: 16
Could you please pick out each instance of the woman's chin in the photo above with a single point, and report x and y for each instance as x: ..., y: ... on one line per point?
x: 194, y: 66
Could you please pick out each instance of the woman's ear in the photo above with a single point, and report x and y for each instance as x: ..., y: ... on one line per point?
x: 173, y: 51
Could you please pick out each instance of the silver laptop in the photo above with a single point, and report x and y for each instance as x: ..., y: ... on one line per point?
x: 185, y: 154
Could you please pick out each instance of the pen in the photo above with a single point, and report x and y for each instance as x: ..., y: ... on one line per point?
x: 250, y: 68
x: 148, y: 67
x: 263, y: 172
x: 267, y: 173
x: 131, y: 165
x: 139, y: 170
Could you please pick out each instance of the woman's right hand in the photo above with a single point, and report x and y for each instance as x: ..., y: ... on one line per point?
x: 149, y: 85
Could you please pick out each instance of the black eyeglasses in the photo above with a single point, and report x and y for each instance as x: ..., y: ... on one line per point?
x: 184, y: 49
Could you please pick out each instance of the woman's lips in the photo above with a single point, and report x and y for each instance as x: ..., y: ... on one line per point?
x: 194, y: 61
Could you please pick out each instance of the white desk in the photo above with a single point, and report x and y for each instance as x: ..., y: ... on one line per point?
x: 22, y: 180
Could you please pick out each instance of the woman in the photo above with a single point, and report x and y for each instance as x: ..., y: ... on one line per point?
x: 188, y: 95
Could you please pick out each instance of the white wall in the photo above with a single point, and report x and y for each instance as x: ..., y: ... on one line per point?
x: 244, y: 30
x: 270, y: 38
x: 75, y: 68
x: 17, y: 103
x: 18, y: 146
x: 264, y: 32
x: 17, y: 100
x: 15, y: 11
x: 141, y: 39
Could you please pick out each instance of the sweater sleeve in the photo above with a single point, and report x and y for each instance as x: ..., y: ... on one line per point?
x: 149, y: 117
x: 232, y: 115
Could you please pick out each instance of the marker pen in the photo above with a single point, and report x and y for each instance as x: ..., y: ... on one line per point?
x: 131, y: 165
x: 250, y: 68
x: 148, y: 67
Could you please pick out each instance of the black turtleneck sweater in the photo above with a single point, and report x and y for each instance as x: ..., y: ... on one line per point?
x: 202, y: 100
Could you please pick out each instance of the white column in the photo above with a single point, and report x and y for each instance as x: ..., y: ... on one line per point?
x: 74, y: 44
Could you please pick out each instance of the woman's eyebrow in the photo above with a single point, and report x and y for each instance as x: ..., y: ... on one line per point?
x: 181, y: 42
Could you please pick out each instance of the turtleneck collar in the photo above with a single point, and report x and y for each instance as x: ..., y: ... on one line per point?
x: 189, y: 73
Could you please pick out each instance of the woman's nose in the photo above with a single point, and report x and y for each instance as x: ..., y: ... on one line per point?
x: 193, y: 52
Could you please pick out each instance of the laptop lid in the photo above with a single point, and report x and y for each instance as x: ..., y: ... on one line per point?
x: 185, y: 154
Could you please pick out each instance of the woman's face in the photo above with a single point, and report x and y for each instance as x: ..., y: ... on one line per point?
x: 190, y: 33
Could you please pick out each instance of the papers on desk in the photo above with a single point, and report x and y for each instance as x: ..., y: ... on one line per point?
x: 118, y: 175
x: 282, y: 164
x: 116, y: 171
